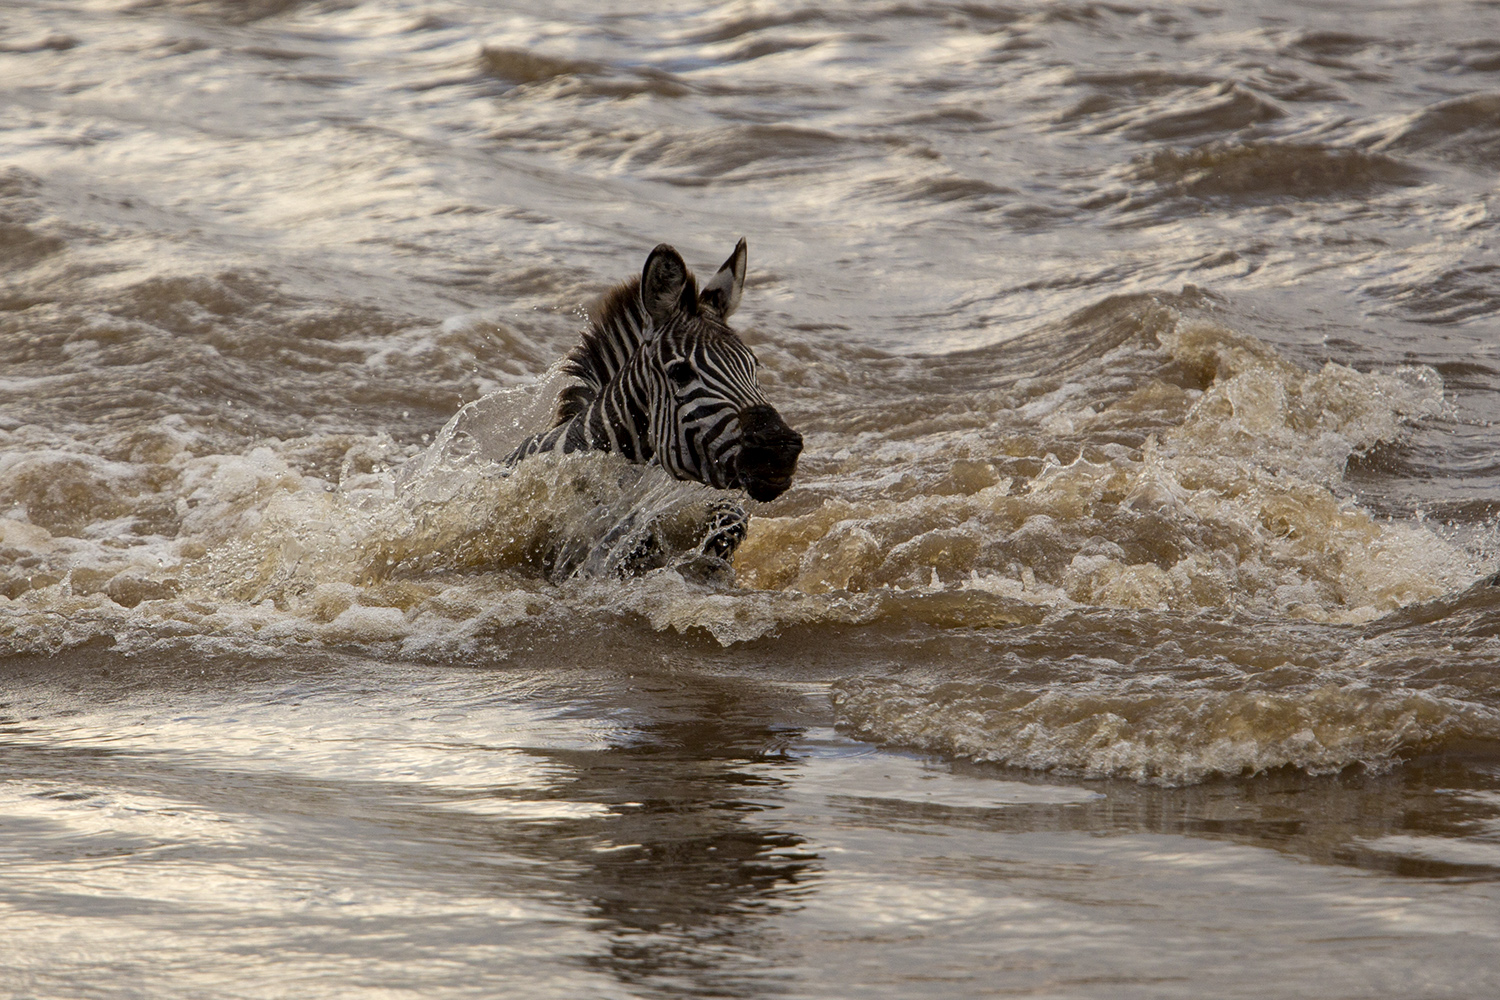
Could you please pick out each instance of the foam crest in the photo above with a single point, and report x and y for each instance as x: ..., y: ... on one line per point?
x: 1230, y: 500
x: 479, y: 437
x: 1209, y: 484
x: 1259, y: 408
x: 370, y: 565
x: 1162, y: 732
x: 427, y: 553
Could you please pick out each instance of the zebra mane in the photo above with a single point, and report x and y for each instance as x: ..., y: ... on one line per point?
x: 618, y: 330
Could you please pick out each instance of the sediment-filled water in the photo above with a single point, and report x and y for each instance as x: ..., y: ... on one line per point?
x: 1128, y: 630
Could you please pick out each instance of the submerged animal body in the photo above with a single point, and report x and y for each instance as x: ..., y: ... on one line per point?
x: 661, y: 378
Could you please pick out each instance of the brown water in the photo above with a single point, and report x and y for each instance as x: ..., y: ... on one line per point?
x: 1127, y: 632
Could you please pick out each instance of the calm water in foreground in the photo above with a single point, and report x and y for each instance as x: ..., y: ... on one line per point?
x: 1127, y: 632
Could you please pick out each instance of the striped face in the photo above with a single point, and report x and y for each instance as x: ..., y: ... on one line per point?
x: 662, y: 378
x: 709, y: 420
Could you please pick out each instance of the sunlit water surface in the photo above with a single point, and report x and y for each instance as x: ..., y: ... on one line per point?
x: 1127, y: 632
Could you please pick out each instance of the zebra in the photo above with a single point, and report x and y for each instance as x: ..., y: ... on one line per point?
x: 662, y: 379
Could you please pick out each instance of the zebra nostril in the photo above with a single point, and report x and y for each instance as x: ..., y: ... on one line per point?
x: 762, y: 427
x: 768, y: 453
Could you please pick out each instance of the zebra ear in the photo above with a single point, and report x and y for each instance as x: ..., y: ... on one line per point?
x: 664, y: 279
x: 722, y: 293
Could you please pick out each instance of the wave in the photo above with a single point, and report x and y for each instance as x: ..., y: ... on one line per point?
x: 1272, y: 169
x: 1153, y: 730
x: 1465, y: 130
x: 1173, y: 464
x: 1140, y: 459
x: 1210, y: 485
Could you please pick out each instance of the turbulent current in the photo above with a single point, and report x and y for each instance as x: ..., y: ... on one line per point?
x: 1130, y: 628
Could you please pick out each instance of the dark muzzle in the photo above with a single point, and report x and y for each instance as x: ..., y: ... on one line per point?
x: 768, y: 453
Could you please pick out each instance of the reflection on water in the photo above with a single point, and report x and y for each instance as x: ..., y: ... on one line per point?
x: 693, y: 863
x: 438, y: 817
x: 674, y: 835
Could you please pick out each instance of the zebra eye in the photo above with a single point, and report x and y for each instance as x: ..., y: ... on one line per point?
x: 681, y: 373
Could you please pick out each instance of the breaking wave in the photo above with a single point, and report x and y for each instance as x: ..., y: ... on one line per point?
x: 1158, y: 462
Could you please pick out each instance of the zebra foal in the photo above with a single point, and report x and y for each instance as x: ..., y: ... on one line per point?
x: 662, y: 378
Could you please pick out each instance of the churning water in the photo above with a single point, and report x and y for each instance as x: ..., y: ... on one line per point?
x: 1127, y: 632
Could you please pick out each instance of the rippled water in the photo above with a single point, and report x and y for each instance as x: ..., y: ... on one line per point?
x: 1127, y: 632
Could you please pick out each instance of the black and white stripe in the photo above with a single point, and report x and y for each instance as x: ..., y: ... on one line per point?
x: 662, y: 378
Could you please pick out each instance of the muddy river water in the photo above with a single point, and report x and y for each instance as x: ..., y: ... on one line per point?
x: 1127, y: 632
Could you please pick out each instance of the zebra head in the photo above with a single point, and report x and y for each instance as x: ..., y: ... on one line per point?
x: 709, y: 421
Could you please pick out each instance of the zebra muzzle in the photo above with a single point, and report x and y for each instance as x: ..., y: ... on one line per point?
x: 768, y: 453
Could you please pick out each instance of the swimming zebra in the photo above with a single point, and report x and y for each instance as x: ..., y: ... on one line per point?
x: 663, y: 379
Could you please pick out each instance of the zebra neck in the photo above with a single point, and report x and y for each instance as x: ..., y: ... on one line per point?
x: 617, y: 420
x: 612, y: 339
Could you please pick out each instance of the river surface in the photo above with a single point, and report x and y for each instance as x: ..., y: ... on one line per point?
x: 1128, y: 630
